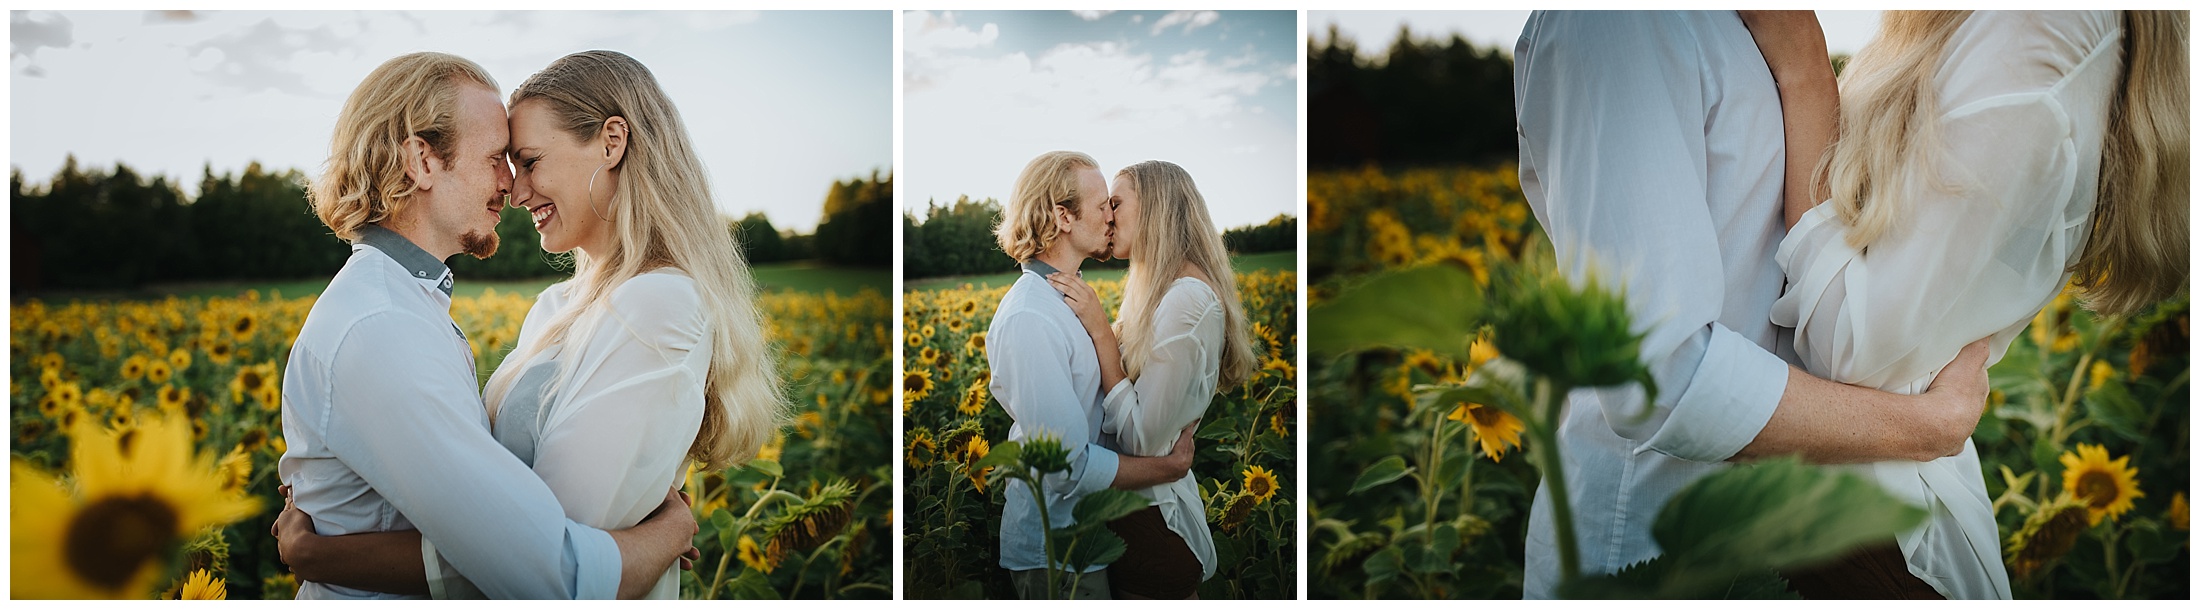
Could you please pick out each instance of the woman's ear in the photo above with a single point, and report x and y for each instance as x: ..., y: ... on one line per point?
x: 614, y: 138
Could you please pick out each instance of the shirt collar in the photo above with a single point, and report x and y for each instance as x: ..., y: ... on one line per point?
x: 417, y: 262
x: 1044, y: 270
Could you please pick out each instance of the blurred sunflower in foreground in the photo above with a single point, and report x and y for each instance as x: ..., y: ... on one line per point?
x: 112, y: 528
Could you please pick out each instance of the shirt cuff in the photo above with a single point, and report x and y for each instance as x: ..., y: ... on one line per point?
x: 1733, y: 393
x: 597, y: 562
x: 1099, y: 470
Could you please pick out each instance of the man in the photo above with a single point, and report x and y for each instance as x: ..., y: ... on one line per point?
x: 1651, y: 148
x: 385, y: 424
x: 1045, y: 371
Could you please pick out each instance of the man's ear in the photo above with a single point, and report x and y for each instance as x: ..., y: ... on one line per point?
x: 421, y: 166
x: 614, y: 136
x: 1062, y: 222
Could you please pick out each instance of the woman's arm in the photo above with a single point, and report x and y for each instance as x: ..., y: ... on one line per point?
x: 1810, y: 102
x: 1094, y: 316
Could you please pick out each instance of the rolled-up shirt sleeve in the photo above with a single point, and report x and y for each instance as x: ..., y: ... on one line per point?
x: 1614, y: 122
x: 1030, y: 360
x: 417, y: 434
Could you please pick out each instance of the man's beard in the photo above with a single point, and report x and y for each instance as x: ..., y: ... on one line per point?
x: 478, y: 244
x: 1105, y: 253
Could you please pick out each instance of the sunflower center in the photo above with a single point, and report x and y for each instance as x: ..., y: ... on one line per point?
x: 111, y: 539
x: 2097, y: 489
x: 912, y: 383
x: 1485, y: 417
x: 1259, y: 486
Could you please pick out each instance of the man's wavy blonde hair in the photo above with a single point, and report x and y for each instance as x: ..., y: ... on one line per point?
x: 364, y: 181
x: 1027, y: 222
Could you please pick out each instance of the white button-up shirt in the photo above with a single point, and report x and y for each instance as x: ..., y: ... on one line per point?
x: 2023, y: 110
x: 1147, y: 414
x: 386, y: 432
x: 1047, y: 376
x: 1651, y: 150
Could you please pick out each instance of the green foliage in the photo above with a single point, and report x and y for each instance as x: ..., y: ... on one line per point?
x: 1279, y: 234
x: 1425, y: 100
x: 857, y: 228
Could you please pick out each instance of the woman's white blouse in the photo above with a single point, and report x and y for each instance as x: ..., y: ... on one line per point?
x: 611, y: 437
x: 2024, y: 104
x: 1145, y: 415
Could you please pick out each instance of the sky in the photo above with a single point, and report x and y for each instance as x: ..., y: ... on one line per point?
x: 1214, y: 92
x: 1846, y: 31
x: 778, y: 104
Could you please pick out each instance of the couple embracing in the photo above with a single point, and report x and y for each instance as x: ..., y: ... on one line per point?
x: 406, y: 478
x: 1826, y: 268
x: 1124, y: 399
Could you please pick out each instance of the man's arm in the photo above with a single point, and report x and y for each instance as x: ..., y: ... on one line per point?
x: 411, y: 425
x: 1834, y: 423
x: 1029, y: 357
x: 1135, y: 473
x: 1794, y: 47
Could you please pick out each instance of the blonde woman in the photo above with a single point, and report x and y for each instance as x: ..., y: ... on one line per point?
x: 1182, y: 337
x: 654, y: 354
x: 1979, y: 160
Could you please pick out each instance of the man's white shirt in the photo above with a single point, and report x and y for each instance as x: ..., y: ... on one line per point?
x: 1651, y: 150
x: 1047, y: 376
x: 386, y: 431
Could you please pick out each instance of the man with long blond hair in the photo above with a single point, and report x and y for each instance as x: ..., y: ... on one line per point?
x: 385, y: 423
x: 1046, y: 372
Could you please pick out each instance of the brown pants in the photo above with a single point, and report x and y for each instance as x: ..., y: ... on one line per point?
x: 1870, y: 572
x: 1156, y: 563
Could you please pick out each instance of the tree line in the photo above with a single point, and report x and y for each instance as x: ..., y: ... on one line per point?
x: 1423, y: 102
x: 95, y: 228
x: 957, y: 239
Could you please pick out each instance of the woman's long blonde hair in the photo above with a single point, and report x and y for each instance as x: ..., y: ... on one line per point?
x: 1174, y: 229
x: 2136, y: 251
x: 662, y: 215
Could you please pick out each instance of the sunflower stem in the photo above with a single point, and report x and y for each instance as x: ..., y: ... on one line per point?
x: 1551, y: 402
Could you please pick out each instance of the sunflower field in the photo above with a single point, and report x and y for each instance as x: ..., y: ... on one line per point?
x: 2085, y: 441
x: 146, y: 435
x: 1245, y: 448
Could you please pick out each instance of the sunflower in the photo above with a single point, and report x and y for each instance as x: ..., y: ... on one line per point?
x: 279, y: 586
x: 928, y: 356
x: 968, y: 307
x: 179, y: 359
x: 137, y: 495
x: 270, y: 397
x: 203, y: 585
x: 2106, y: 487
x: 1275, y: 422
x: 219, y: 353
x: 1426, y: 361
x: 48, y: 377
x: 1260, y: 483
x: 2179, y: 515
x: 1496, y: 429
x: 51, y: 360
x: 975, y: 345
x: 158, y: 372
x: 1480, y: 352
x: 913, y: 338
x: 973, y: 401
x: 254, y: 439
x: 235, y: 469
x: 915, y: 385
x: 248, y: 382
x: 172, y: 398
x: 929, y: 331
x: 242, y: 328
x: 921, y: 449
x: 49, y: 406
x: 2045, y: 536
x: 956, y: 325
x: 133, y: 367
x: 1283, y: 369
x: 753, y: 557
x: 971, y: 453
x: 1235, y: 510
x: 2099, y: 374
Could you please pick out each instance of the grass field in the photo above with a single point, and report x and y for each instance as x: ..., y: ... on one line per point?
x: 1275, y: 261
x: 799, y: 276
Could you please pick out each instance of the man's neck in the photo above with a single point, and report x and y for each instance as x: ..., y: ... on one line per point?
x: 1061, y: 258
x: 442, y: 250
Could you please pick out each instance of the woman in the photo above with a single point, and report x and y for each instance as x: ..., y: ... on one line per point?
x: 654, y: 354
x: 1978, y: 160
x: 1183, y: 336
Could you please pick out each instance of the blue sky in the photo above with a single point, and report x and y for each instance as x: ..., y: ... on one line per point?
x: 1215, y: 92
x: 779, y: 104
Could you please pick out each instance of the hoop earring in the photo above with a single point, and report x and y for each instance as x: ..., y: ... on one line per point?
x: 592, y: 190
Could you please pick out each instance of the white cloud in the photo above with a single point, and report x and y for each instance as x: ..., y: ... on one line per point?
x: 926, y: 34
x: 1091, y: 15
x: 1191, y: 20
